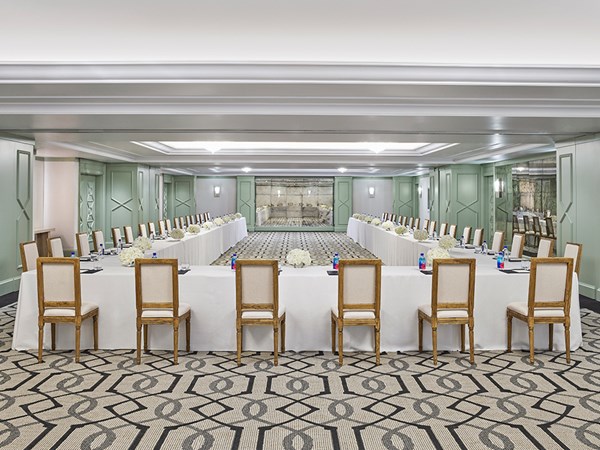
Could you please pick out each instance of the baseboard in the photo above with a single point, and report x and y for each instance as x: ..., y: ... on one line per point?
x: 9, y: 285
x: 589, y: 291
x: 341, y: 228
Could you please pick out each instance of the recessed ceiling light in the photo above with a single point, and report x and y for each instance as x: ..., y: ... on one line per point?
x: 342, y: 170
x: 246, y: 169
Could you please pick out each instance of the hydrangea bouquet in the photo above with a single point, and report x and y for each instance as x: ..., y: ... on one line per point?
x: 177, y: 233
x: 436, y: 253
x: 208, y: 225
x: 143, y: 243
x: 388, y: 225
x: 401, y: 229
x: 376, y: 221
x: 447, y: 242
x: 298, y: 258
x: 420, y: 235
x: 129, y: 255
x: 194, y: 228
x: 218, y: 221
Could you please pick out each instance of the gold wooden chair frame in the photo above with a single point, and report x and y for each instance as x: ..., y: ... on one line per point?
x: 59, y: 301
x: 574, y: 250
x: 517, y: 245
x: 353, y: 311
x: 450, y: 311
x: 163, y: 306
x: 545, y: 247
x: 263, y: 305
x: 55, y: 247
x: 83, y: 244
x: 548, y: 302
x: 29, y: 254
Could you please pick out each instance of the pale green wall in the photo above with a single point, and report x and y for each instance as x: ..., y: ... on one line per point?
x: 246, y: 199
x: 578, y: 205
x: 342, y: 203
x: 16, y: 168
x: 184, y: 195
x: 404, y: 196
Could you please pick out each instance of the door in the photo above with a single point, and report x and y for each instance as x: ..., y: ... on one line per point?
x: 87, y: 203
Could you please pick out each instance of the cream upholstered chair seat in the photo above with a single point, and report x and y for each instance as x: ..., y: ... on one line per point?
x: 445, y: 313
x: 184, y: 308
x: 521, y: 308
x: 355, y: 314
x: 261, y: 314
x: 86, y: 307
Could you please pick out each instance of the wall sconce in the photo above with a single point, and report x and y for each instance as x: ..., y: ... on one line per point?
x: 278, y: 192
x: 371, y: 191
x: 420, y: 191
x: 217, y: 191
x: 499, y: 187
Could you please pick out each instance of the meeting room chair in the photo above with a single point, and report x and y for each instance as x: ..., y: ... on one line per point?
x: 452, y: 231
x: 384, y: 217
x: 98, y: 240
x: 59, y: 300
x: 478, y: 237
x: 467, y: 235
x: 151, y: 229
x: 393, y: 218
x: 176, y: 222
x: 516, y: 226
x: 404, y: 220
x: 545, y: 248
x: 188, y: 221
x: 55, y: 247
x: 528, y: 229
x: 537, y: 230
x: 168, y: 225
x: 410, y: 222
x: 257, y: 301
x: 497, y: 242
x: 550, y: 228
x: 548, y: 302
x: 417, y: 223
x: 157, y: 302
x: 162, y: 229
x: 452, y: 301
x: 128, y: 231
x: 29, y: 254
x: 517, y: 245
x: 83, y: 244
x: 431, y: 229
x: 359, y: 301
x: 198, y: 219
x: 574, y: 251
x: 142, y: 230
x: 426, y: 225
x: 443, y: 229
x: 400, y: 219
x: 116, y: 236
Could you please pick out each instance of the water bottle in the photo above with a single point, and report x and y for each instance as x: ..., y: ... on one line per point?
x: 120, y: 245
x: 72, y: 254
x: 154, y: 255
x: 461, y: 243
x: 506, y: 253
x: 101, y: 250
x: 422, y: 262
x: 484, y: 247
x: 233, y: 260
x: 336, y: 261
x: 500, y: 260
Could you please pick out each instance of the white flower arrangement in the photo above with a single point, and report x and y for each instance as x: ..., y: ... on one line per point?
x: 218, y: 221
x: 436, y: 253
x: 355, y: 215
x: 226, y: 219
x: 376, y: 221
x: 194, y: 228
x: 238, y: 215
x: 401, y: 230
x: 208, y: 225
x: 388, y: 225
x: 368, y: 219
x: 420, y: 235
x: 177, y: 233
x: 298, y: 257
x: 447, y: 242
x: 129, y: 255
x: 143, y: 243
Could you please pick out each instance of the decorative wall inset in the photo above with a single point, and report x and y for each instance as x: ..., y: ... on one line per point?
x: 184, y: 196
x: 342, y: 205
x: 246, y: 204
x: 404, y: 202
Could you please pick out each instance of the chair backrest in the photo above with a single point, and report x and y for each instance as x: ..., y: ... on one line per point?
x: 526, y: 224
x: 257, y: 285
x: 156, y: 285
x: 452, y: 231
x: 467, y: 234
x: 453, y: 284
x: 573, y: 250
x: 517, y: 245
x: 549, y: 227
x: 478, y: 237
x: 404, y: 220
x: 393, y: 218
x: 143, y: 230
x: 400, y: 218
x: 98, y: 238
x: 168, y: 225
x: 545, y: 248
x: 443, y: 228
x: 83, y: 244
x: 128, y: 231
x: 431, y: 228
x: 116, y: 235
x: 497, y: 241
x: 198, y: 219
x: 59, y: 284
x: 29, y: 254
x: 176, y: 221
x: 151, y: 228
x: 516, y: 226
x: 384, y: 217
x: 359, y: 285
x: 537, y: 227
x: 207, y: 216
x: 55, y: 247
x: 417, y: 223
x: 188, y: 220
x: 550, y: 282
x: 410, y: 222
x: 426, y: 225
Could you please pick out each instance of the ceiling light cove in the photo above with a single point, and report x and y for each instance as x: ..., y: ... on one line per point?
x: 342, y: 170
x: 246, y: 169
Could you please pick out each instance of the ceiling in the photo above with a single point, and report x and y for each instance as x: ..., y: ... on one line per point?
x: 295, y: 119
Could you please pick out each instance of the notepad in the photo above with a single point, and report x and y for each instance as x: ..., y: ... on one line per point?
x: 87, y: 271
x: 426, y: 272
x: 183, y: 271
x: 332, y: 272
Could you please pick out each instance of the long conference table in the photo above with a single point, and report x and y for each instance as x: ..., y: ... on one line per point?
x: 308, y: 294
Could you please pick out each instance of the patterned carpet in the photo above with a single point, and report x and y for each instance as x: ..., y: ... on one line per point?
x: 308, y: 402
x: 277, y: 244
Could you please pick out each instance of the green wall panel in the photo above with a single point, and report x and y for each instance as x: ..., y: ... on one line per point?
x: 342, y: 203
x: 404, y: 196
x: 246, y: 202
x: 184, y: 188
x: 466, y: 197
x: 121, y: 196
x: 154, y: 198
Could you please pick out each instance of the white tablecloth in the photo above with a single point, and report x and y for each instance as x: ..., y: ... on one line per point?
x: 392, y: 249
x: 308, y: 295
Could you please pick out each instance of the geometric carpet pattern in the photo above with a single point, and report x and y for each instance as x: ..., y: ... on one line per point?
x: 276, y: 245
x: 307, y: 402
